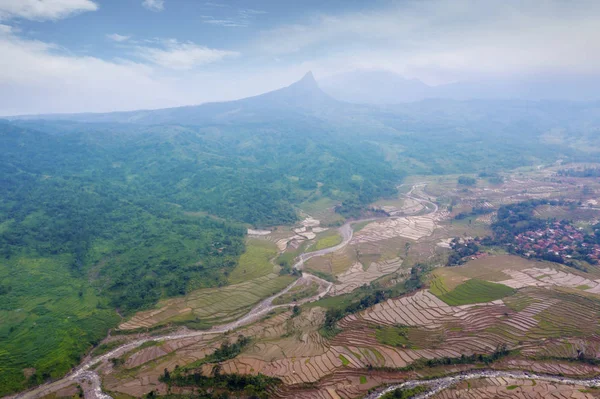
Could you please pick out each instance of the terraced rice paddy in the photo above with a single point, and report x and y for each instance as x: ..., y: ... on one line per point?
x: 213, y: 305
x: 476, y: 291
x: 293, y: 350
x: 413, y: 227
x: 255, y: 261
x: 334, y: 263
x: 357, y: 276
x: 544, y: 277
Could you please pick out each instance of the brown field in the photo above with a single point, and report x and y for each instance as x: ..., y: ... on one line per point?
x: 334, y: 263
x: 357, y: 276
x: 412, y: 227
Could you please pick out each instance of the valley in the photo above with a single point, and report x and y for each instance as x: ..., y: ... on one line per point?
x: 291, y: 245
x: 543, y: 314
x: 233, y: 199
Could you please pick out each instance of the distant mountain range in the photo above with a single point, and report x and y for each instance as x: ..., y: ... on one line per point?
x: 294, y: 101
x: 355, y: 99
x: 385, y: 87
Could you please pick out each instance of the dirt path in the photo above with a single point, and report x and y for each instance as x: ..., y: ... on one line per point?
x: 84, y: 374
x: 439, y: 384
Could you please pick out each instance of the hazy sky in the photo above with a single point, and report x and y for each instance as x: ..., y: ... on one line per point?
x: 105, y: 55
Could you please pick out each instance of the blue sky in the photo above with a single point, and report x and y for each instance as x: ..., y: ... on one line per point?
x: 106, y: 55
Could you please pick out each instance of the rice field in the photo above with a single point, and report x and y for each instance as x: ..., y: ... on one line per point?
x: 400, y: 331
x: 255, y: 261
x: 212, y: 305
x: 476, y: 291
x: 396, y: 336
x: 327, y: 240
x: 411, y: 227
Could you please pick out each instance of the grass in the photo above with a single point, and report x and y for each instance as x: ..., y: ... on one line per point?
x: 396, y: 336
x: 255, y: 261
x: 363, y: 379
x: 511, y: 387
x: 583, y: 287
x: 359, y: 226
x: 475, y: 291
x: 437, y: 286
x: 329, y: 239
x: 444, y: 280
x: 344, y: 360
x: 519, y: 302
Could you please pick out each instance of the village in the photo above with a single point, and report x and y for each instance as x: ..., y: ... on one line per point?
x: 558, y: 239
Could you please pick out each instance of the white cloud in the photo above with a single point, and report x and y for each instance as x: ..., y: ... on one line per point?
x: 230, y: 23
x: 5, y: 29
x: 42, y: 10
x: 35, y: 78
x: 154, y: 5
x: 40, y: 77
x: 182, y: 56
x: 230, y: 17
x: 445, y: 40
x: 118, y: 38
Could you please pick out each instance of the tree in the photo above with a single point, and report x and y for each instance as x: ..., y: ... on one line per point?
x: 466, y: 181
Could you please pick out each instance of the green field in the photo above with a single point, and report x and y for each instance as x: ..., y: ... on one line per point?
x: 327, y: 240
x: 475, y: 291
x: 344, y: 360
x: 255, y: 261
x: 396, y: 336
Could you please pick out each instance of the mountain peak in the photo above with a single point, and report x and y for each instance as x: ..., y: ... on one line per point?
x: 307, y: 82
x: 308, y: 77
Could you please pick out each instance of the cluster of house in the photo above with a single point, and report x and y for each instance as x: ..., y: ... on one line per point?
x: 558, y: 239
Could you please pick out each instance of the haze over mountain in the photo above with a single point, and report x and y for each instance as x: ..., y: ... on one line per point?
x: 386, y: 87
x: 303, y: 96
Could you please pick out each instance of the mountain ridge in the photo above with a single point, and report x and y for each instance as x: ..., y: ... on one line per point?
x: 290, y: 101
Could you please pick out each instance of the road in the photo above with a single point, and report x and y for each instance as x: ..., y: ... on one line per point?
x: 90, y: 380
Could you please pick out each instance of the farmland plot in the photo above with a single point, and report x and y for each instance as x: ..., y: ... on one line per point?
x: 544, y: 277
x: 356, y: 276
x: 414, y: 228
x: 212, y: 305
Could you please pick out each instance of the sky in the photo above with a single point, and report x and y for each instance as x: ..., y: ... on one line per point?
x: 115, y: 55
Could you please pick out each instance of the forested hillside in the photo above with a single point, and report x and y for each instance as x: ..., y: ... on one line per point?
x: 117, y: 217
